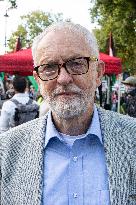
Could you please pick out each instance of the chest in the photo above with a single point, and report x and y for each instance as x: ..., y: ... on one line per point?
x: 78, y: 173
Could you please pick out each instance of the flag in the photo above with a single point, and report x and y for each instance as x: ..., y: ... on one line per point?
x: 111, y: 52
x: 111, y: 48
x: 18, y: 44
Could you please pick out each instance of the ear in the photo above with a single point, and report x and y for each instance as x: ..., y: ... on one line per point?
x: 100, y: 72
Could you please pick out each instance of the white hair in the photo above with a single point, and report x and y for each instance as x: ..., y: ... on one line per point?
x: 71, y: 27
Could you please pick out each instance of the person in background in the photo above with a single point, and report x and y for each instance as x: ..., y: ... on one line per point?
x: 114, y: 99
x: 8, y: 108
x: 123, y: 103
x: 78, y: 153
x: 1, y: 92
x: 10, y: 91
x: 130, y: 97
x: 32, y: 93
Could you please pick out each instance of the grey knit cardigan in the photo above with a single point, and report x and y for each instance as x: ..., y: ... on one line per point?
x: 21, y: 164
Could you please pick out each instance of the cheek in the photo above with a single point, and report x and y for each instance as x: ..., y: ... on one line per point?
x: 92, y: 80
x: 86, y: 82
x: 46, y: 88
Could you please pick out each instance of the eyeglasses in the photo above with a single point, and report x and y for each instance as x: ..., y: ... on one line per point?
x: 76, y: 66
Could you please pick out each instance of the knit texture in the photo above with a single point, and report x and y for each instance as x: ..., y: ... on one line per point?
x: 21, y: 160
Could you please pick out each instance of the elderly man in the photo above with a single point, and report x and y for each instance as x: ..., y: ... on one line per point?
x: 78, y: 153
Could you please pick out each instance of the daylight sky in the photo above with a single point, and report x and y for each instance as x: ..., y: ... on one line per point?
x: 76, y: 10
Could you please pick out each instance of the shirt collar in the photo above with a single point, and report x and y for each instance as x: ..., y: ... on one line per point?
x: 94, y: 127
x: 51, y: 130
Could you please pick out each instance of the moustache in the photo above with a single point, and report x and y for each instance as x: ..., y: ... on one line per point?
x: 66, y: 89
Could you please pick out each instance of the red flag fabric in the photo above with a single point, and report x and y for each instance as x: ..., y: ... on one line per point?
x: 111, y: 47
x: 18, y: 44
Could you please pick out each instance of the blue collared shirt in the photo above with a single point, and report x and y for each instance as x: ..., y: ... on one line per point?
x: 75, y: 173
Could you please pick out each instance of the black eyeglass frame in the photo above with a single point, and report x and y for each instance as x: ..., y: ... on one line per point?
x: 93, y: 59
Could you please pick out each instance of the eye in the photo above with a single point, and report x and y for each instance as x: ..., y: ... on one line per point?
x: 77, y: 63
x: 73, y: 64
x: 51, y: 67
x: 48, y: 68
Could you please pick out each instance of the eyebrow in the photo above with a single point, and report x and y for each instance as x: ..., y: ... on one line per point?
x: 72, y: 57
x: 51, y: 62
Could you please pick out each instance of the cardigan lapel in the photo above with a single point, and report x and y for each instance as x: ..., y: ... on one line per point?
x: 30, y: 167
x: 113, y: 145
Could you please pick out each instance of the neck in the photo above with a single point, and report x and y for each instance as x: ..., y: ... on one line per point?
x: 16, y: 92
x: 75, y: 126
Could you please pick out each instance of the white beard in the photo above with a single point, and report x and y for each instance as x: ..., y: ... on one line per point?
x: 68, y: 108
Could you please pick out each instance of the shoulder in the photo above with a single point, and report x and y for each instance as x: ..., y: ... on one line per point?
x: 116, y: 117
x: 8, y: 105
x: 24, y: 133
x: 28, y: 136
x: 7, y: 102
x: 22, y: 139
x: 113, y: 122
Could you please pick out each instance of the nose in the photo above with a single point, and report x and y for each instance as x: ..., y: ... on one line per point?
x: 64, y: 77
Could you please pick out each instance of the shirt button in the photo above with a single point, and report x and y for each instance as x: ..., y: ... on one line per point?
x: 75, y: 159
x: 75, y: 195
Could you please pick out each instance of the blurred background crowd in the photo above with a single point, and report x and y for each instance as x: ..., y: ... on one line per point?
x: 122, y: 101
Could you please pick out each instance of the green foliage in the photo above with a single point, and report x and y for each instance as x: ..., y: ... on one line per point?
x: 13, y: 4
x: 118, y: 17
x: 21, y: 32
x: 32, y: 24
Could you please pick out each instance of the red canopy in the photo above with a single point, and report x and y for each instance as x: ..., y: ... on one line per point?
x: 21, y: 62
x: 112, y: 64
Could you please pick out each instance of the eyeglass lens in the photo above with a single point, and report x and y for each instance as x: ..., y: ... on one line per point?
x: 75, y: 66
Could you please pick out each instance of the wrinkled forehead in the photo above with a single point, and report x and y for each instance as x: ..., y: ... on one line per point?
x: 62, y: 43
x: 66, y: 35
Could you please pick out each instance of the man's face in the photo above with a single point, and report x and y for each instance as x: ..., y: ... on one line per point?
x: 67, y: 95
